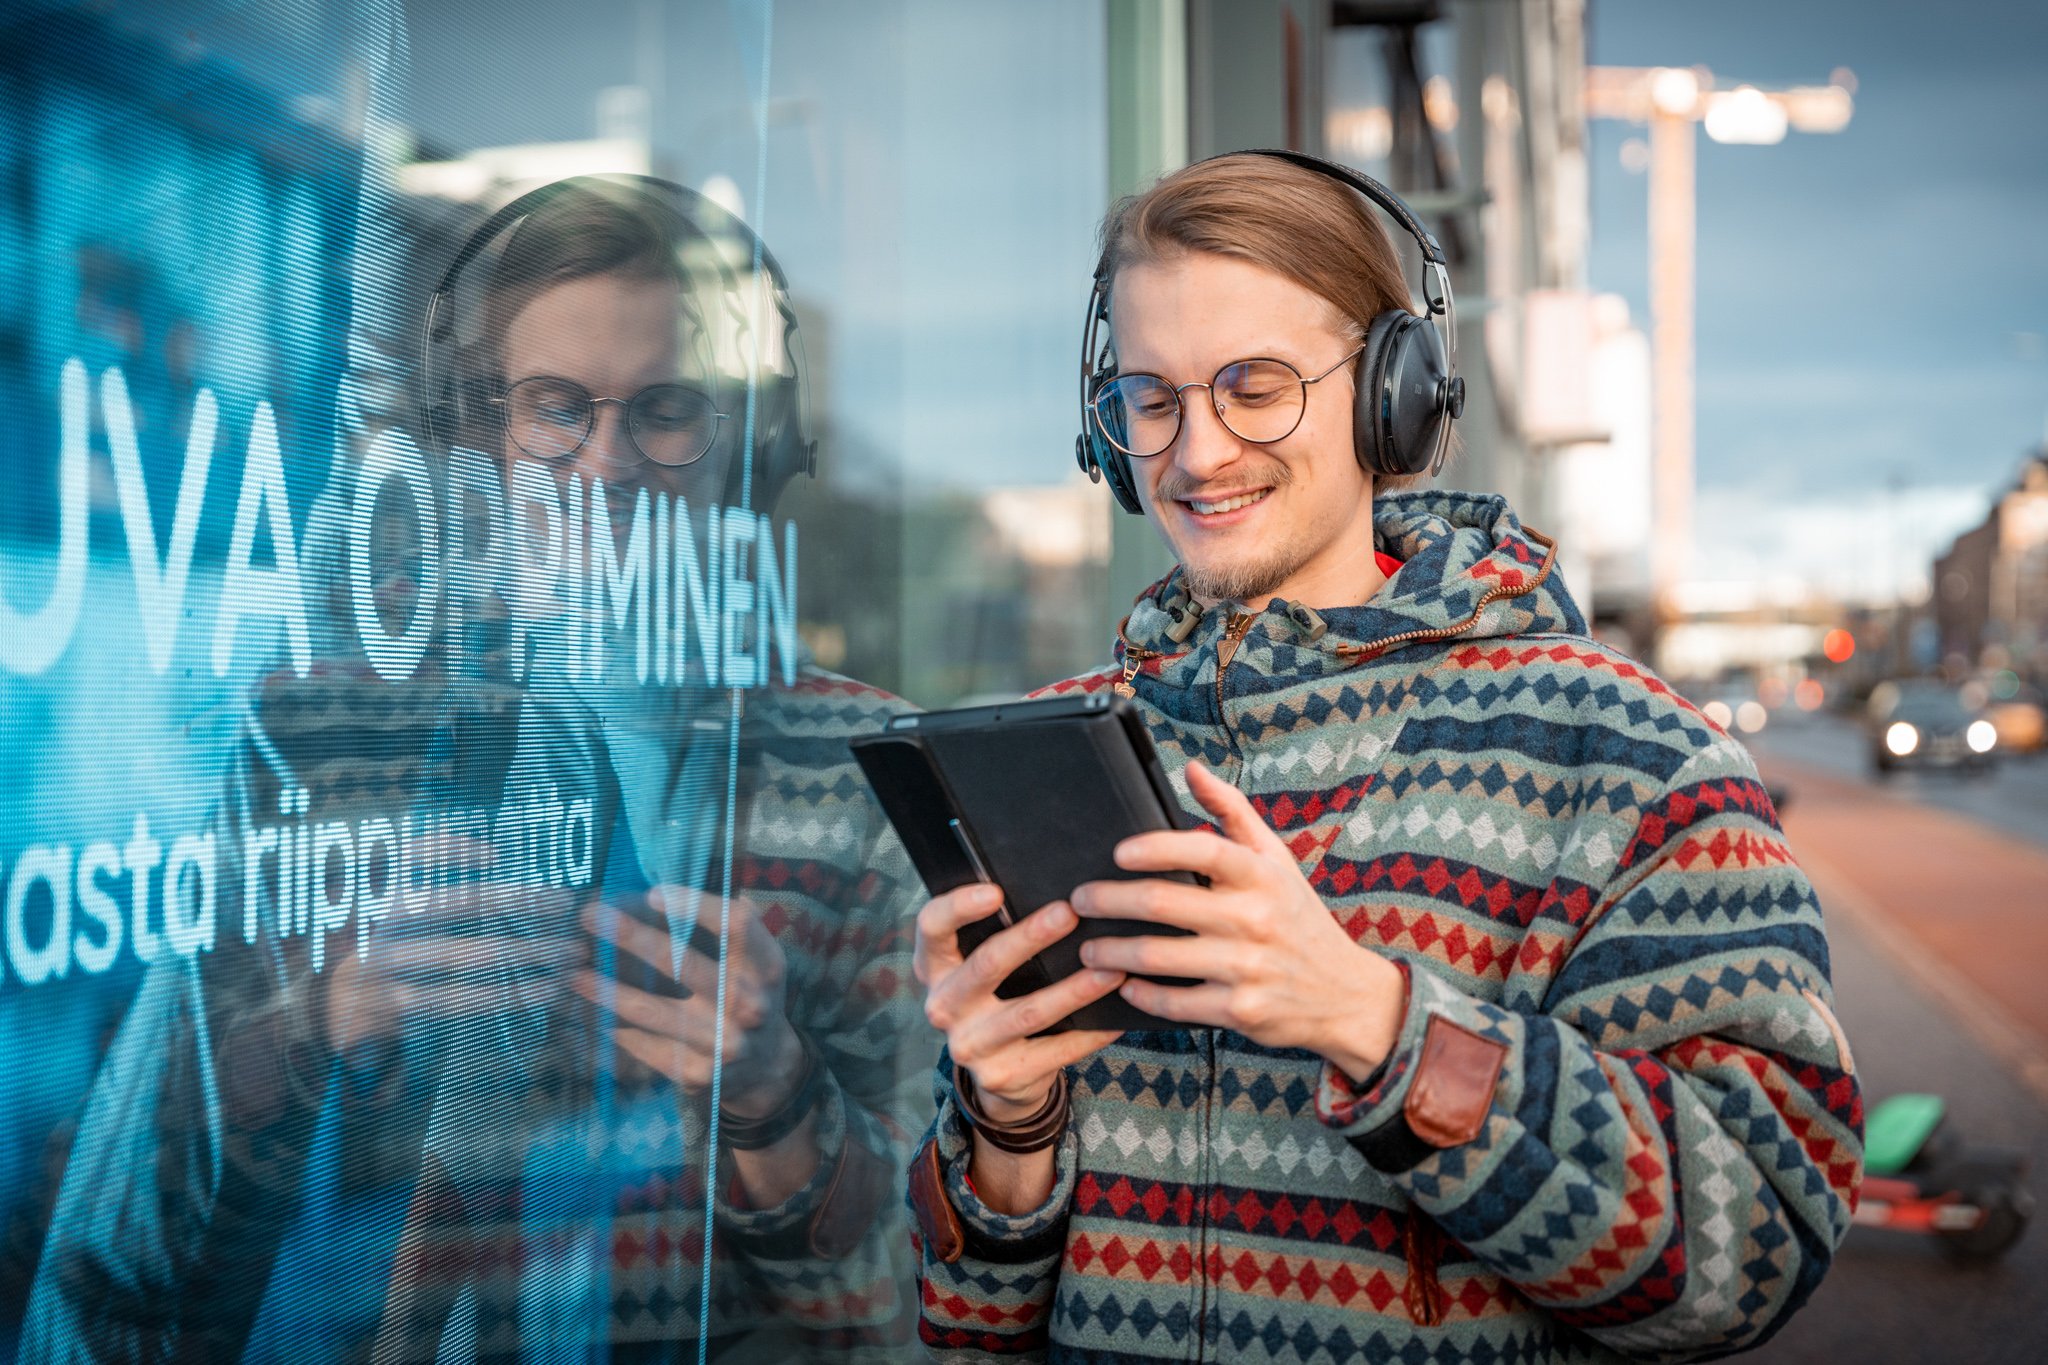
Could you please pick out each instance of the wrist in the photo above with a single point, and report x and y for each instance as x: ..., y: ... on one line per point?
x: 1362, y: 1037
x: 1008, y: 1109
x: 771, y: 1084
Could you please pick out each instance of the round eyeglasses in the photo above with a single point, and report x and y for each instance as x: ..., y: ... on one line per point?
x: 1259, y: 400
x: 550, y: 418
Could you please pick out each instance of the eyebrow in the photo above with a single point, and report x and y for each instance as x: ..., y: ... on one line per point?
x: 1281, y: 353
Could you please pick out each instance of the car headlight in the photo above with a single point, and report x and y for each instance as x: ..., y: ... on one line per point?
x: 1981, y: 735
x: 1901, y: 738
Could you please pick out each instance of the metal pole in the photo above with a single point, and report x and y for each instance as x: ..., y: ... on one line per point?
x: 1672, y: 272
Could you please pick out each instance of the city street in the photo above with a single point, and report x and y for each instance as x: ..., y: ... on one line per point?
x: 1936, y: 893
x: 2012, y: 797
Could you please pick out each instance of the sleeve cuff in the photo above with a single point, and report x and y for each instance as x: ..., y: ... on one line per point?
x: 1376, y: 1114
x: 1002, y: 1236
x: 793, y: 1215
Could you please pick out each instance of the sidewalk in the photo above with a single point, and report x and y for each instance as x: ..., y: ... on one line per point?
x: 1962, y: 908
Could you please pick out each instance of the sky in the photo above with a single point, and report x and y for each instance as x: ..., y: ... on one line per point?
x: 1872, y: 307
x: 1872, y: 304
x: 1872, y: 344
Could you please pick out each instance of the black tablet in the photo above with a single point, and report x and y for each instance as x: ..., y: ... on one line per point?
x: 1033, y: 796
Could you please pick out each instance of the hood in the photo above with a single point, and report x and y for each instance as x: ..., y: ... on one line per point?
x: 1469, y: 571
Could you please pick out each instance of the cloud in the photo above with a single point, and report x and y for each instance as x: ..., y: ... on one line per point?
x: 1860, y: 544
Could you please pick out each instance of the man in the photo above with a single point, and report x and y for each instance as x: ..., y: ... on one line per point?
x: 571, y: 1100
x: 1512, y: 1039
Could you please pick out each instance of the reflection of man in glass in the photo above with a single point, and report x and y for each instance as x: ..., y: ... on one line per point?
x: 619, y: 1070
x: 619, y: 323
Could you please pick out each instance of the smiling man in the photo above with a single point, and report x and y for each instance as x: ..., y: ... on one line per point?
x: 1512, y: 1037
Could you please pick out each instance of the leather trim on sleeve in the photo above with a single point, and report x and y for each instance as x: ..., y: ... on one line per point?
x: 935, y: 1214
x: 848, y: 1208
x: 1452, y: 1089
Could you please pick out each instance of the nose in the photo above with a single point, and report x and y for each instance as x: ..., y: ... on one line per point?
x: 1203, y: 445
x: 608, y: 452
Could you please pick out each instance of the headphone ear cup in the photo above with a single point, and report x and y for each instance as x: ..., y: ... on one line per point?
x: 1116, y: 468
x: 1368, y: 425
x: 1403, y: 382
x: 1097, y: 455
x: 1096, y: 448
x: 1114, y: 464
x: 785, y: 449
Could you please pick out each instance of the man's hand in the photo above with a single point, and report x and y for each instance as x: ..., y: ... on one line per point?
x: 1274, y: 963
x: 466, y: 947
x: 990, y: 1036
x: 680, y: 1038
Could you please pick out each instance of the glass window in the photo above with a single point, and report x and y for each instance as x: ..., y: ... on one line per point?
x: 470, y: 470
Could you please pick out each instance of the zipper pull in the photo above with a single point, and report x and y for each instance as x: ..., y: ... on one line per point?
x: 1233, y: 636
x: 1125, y: 687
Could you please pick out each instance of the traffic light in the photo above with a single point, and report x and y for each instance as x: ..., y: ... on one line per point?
x: 1839, y: 646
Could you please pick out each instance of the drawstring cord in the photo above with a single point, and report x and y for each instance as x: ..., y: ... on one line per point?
x: 1422, y: 1243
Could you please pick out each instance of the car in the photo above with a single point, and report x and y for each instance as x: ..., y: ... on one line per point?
x: 1927, y: 724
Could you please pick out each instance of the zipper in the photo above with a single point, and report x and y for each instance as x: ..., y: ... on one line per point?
x: 1125, y: 686
x: 1361, y: 653
x: 1135, y: 657
x: 1239, y: 626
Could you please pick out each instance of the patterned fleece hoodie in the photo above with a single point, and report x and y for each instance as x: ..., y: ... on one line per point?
x: 1620, y: 1120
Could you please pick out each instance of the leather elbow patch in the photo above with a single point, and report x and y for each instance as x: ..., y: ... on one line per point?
x: 1452, y: 1091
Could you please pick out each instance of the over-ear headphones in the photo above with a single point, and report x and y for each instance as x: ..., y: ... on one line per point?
x: 1407, y: 391
x: 717, y: 255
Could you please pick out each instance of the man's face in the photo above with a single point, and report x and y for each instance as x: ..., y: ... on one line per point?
x: 1306, y: 533
x: 614, y: 335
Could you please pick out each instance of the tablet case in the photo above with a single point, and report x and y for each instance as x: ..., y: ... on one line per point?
x: 1038, y: 794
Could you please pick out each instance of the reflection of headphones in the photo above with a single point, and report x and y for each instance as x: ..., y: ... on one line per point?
x: 712, y: 246
x: 1407, y: 390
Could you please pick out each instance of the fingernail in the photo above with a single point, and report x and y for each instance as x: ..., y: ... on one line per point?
x: 1088, y: 953
x: 1102, y: 978
x: 1059, y: 915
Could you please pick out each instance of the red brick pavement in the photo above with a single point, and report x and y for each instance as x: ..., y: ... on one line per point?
x: 1970, y: 899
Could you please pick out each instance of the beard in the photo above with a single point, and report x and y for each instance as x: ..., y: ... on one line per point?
x: 1254, y: 575
x: 1240, y: 581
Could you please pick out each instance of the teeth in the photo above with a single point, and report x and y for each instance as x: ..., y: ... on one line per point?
x: 1210, y: 509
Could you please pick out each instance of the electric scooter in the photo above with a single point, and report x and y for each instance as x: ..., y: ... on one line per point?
x: 1918, y: 1176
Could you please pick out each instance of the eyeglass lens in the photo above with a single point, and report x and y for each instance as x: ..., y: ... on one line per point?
x: 550, y: 419
x: 1258, y: 400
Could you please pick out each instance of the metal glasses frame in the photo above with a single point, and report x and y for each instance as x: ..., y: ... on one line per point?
x: 590, y: 405
x: 1180, y: 407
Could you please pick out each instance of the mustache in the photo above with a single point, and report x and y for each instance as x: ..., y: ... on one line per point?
x: 1177, y: 486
